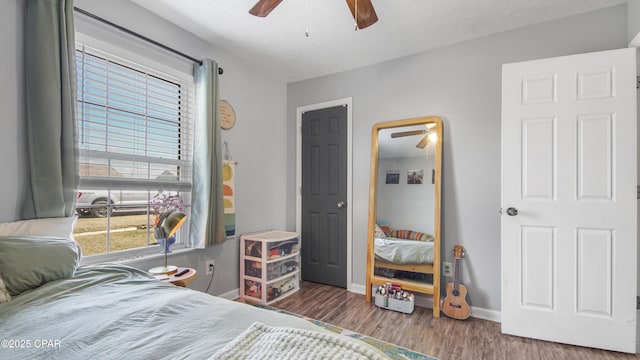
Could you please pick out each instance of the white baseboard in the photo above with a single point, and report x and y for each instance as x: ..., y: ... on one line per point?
x: 486, y: 314
x: 358, y: 289
x: 231, y: 295
x: 476, y: 312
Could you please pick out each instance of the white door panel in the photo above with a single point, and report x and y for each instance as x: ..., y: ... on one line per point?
x: 569, y: 166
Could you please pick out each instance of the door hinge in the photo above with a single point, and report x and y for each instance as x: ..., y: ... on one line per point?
x: 638, y: 192
x: 637, y: 302
x: 637, y: 82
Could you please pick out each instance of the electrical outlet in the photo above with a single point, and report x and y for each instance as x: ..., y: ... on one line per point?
x: 447, y: 269
x: 210, y: 267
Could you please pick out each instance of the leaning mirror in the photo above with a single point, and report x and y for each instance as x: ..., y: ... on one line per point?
x: 404, y: 206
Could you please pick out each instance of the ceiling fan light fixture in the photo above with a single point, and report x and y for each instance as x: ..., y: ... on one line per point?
x: 408, y: 133
x: 423, y: 142
x: 363, y: 13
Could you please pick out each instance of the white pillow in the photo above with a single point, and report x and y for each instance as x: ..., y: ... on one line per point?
x: 378, y: 233
x: 54, y: 227
x: 27, y: 262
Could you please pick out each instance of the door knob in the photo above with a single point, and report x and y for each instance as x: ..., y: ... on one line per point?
x: 512, y: 211
x: 341, y: 204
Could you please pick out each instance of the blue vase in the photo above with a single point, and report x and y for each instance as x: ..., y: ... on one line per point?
x: 165, y: 244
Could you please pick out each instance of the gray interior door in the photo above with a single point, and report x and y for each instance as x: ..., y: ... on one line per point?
x: 324, y: 194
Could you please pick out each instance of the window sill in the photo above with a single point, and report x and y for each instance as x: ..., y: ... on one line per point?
x: 126, y: 256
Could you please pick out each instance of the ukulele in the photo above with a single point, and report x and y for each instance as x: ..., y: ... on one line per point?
x: 455, y: 306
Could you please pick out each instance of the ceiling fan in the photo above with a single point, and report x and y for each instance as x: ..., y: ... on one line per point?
x: 364, y: 13
x: 423, y: 142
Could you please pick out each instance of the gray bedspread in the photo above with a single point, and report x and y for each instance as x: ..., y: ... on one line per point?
x: 117, y: 312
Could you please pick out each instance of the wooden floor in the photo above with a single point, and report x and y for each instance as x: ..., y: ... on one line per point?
x: 442, y: 337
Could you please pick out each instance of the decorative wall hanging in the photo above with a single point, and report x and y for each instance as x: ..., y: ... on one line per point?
x: 228, y: 191
x: 227, y: 115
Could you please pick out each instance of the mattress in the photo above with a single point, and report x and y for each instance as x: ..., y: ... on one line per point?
x: 118, y: 312
x: 401, y: 251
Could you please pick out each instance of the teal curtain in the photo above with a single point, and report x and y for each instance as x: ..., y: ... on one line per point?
x: 207, y: 211
x: 50, y: 84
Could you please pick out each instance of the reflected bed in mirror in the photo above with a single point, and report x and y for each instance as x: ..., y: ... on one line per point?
x: 404, y: 206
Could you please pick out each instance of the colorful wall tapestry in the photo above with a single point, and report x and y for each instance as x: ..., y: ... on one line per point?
x: 228, y: 192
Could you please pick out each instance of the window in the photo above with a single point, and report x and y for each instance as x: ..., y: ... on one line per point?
x: 135, y: 140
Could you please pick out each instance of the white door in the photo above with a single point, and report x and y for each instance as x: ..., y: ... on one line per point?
x: 569, y: 199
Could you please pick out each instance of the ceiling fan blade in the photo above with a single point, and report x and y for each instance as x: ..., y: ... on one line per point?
x: 366, y: 13
x: 424, y: 142
x: 408, y: 133
x: 263, y: 7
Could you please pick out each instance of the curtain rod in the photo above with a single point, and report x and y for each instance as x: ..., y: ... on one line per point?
x: 140, y: 36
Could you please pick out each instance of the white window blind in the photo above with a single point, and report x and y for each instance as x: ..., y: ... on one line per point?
x: 134, y: 127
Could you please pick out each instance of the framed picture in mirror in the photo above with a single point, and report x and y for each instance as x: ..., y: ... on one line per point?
x: 393, y: 177
x: 415, y: 176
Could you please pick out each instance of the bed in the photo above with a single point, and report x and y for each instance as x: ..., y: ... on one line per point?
x: 404, y: 253
x: 57, y: 309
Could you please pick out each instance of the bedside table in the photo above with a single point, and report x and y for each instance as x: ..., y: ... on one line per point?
x: 182, y: 280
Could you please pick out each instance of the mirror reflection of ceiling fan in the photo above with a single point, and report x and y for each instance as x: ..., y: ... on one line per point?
x: 425, y: 139
x: 362, y: 11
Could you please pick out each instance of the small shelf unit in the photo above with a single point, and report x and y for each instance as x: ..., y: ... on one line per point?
x: 269, y: 266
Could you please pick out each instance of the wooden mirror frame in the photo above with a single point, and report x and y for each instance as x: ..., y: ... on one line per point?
x: 372, y: 279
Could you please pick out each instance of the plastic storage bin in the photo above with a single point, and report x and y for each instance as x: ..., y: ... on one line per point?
x: 270, y: 265
x: 389, y: 303
x: 282, y: 267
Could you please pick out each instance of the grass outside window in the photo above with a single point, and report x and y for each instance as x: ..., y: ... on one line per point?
x: 127, y: 232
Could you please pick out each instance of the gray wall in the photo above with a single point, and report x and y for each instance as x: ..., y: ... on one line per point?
x: 257, y: 141
x: 461, y: 84
x: 633, y: 18
x: 397, y: 204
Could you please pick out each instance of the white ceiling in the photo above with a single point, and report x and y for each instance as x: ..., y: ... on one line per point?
x: 401, y: 147
x: 278, y: 42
